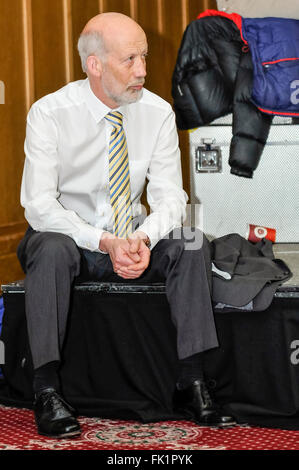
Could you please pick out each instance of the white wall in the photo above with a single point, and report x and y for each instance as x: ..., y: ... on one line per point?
x: 258, y: 8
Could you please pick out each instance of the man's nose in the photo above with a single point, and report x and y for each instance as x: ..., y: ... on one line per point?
x: 140, y: 67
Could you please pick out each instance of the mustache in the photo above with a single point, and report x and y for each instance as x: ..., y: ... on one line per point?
x: 138, y: 83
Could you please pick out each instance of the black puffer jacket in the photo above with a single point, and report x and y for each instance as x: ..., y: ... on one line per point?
x: 212, y: 78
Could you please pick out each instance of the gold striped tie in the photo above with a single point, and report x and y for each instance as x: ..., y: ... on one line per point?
x: 119, y: 177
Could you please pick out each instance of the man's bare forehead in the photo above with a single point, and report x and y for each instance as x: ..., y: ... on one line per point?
x: 124, y: 44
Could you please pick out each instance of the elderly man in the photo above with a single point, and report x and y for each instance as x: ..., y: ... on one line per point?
x: 89, y: 148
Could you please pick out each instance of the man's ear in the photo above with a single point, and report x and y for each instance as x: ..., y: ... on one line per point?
x: 94, y: 66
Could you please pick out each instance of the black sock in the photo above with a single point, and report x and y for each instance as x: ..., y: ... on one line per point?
x: 191, y: 369
x: 46, y: 376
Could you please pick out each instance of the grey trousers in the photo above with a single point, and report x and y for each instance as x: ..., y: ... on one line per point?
x: 52, y: 261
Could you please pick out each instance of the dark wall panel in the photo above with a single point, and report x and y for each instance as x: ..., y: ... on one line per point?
x: 12, y: 132
x: 198, y: 6
x: 120, y: 6
x: 48, y: 46
x: 81, y: 13
x: 148, y: 16
x: 12, y: 112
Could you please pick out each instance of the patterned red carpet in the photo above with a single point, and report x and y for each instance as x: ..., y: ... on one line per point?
x: 17, y: 432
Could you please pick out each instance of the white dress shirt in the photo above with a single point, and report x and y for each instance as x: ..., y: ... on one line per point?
x: 65, y: 185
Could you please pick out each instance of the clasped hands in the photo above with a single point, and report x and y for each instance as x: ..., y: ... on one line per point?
x: 130, y: 257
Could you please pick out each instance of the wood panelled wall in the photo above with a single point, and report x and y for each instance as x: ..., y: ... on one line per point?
x: 38, y: 55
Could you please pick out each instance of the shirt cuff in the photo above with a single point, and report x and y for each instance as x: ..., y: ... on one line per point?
x: 89, y: 237
x: 100, y: 251
x: 153, y: 235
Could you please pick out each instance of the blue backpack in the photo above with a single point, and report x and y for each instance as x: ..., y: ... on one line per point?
x: 274, y: 47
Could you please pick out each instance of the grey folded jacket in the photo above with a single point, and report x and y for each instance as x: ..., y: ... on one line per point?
x: 255, y: 273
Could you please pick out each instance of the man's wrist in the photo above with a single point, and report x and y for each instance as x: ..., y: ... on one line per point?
x: 147, y: 241
x: 142, y: 236
x: 105, y: 241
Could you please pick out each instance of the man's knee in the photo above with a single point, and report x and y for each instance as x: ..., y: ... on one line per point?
x: 53, y: 248
x: 186, y: 238
x: 194, y: 238
x: 173, y: 243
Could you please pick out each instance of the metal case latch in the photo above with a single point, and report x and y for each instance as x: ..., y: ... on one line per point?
x: 208, y: 158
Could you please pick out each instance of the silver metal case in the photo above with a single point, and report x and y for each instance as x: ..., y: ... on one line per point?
x: 228, y: 203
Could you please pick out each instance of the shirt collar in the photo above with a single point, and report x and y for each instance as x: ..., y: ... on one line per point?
x: 97, y: 108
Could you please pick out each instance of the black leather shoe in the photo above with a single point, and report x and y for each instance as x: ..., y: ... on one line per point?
x: 197, y: 403
x: 53, y: 416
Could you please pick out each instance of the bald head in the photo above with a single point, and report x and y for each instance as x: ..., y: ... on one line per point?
x: 110, y: 23
x: 113, y: 48
x: 104, y: 31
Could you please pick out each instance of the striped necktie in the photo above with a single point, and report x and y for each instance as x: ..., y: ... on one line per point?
x: 119, y: 177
